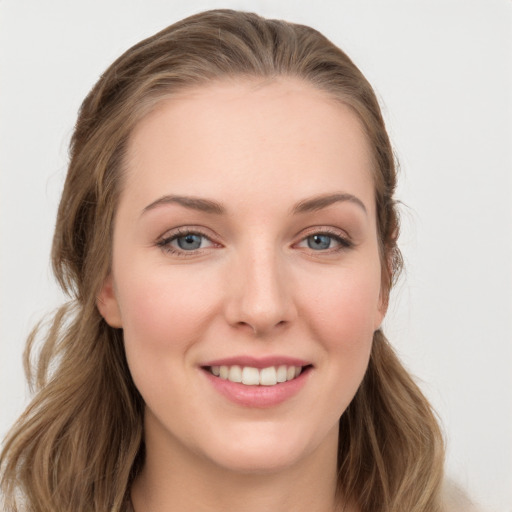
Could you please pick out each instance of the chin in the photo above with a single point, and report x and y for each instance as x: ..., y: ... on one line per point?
x: 264, y: 450
x: 256, y: 461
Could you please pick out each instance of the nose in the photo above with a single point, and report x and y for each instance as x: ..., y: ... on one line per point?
x: 260, y: 294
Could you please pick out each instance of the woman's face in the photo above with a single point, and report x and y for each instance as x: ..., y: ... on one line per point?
x: 245, y: 248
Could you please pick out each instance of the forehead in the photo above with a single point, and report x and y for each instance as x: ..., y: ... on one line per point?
x: 250, y: 135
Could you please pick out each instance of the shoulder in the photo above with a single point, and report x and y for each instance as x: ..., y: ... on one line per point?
x: 455, y: 499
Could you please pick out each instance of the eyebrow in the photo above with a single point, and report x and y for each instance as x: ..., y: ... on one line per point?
x: 209, y: 206
x: 193, y: 203
x: 323, y: 201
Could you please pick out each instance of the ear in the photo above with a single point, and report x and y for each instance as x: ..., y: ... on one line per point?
x: 106, y: 302
x: 383, y: 303
x: 381, y: 310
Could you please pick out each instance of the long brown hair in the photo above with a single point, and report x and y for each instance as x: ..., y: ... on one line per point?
x: 80, y: 442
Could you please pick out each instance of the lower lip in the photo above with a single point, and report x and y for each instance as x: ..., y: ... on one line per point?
x: 258, y: 396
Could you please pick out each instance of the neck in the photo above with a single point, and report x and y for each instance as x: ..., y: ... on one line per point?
x: 174, y: 479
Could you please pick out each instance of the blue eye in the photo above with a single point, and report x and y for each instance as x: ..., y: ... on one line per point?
x: 183, y: 242
x: 189, y: 242
x: 326, y: 242
x: 319, y: 242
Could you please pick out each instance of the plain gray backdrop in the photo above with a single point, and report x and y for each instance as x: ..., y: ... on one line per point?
x: 442, y: 70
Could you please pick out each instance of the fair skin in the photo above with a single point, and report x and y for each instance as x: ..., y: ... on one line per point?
x: 245, y: 237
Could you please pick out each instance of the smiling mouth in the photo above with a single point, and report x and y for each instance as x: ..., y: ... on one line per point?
x: 250, y: 376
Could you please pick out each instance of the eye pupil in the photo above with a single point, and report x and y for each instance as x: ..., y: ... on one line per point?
x: 189, y: 242
x: 319, y: 242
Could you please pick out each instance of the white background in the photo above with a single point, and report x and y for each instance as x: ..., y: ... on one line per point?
x: 442, y: 70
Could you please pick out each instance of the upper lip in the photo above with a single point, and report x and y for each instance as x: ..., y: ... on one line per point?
x: 257, y: 362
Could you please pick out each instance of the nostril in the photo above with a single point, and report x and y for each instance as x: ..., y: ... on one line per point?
x: 261, y: 328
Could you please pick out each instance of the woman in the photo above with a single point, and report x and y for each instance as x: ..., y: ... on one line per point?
x: 227, y: 233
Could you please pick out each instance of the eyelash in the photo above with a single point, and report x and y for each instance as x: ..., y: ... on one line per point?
x: 344, y: 243
x: 165, y: 243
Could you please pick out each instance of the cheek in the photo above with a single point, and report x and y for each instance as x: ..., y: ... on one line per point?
x: 339, y: 312
x: 345, y: 307
x: 163, y: 314
x: 341, y: 315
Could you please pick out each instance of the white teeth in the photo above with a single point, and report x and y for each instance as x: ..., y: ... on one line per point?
x: 281, y: 373
x: 235, y: 374
x: 250, y: 376
x: 268, y: 376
